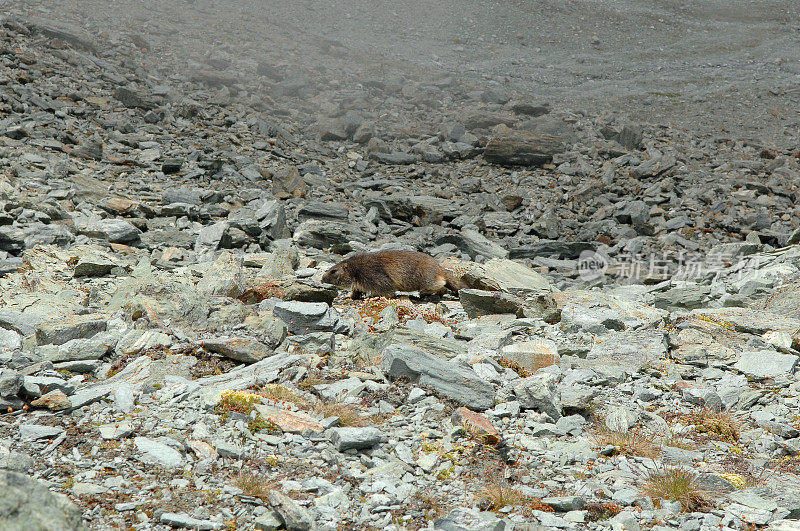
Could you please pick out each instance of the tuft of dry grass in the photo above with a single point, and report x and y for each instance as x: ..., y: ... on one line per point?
x: 348, y: 414
x: 717, y: 425
x: 629, y: 443
x: 281, y: 393
x: 499, y: 495
x: 254, y: 486
x: 677, y: 484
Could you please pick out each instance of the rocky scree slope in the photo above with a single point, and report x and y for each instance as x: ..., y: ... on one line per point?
x: 171, y: 359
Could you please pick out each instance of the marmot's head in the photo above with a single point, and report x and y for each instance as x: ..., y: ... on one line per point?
x: 338, y: 276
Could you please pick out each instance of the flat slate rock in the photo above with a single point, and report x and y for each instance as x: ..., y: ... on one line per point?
x: 27, y: 504
x: 451, y: 379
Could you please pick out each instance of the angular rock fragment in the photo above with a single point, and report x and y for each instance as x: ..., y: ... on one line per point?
x: 451, y: 379
x: 523, y: 148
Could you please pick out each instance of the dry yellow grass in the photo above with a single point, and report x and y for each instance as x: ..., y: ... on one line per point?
x: 254, y: 486
x: 676, y: 484
x: 629, y: 443
x: 348, y: 415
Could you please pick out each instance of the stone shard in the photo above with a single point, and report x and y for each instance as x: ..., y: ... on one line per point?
x: 449, y: 378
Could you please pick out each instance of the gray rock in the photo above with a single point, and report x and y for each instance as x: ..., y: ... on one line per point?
x: 328, y: 234
x: 540, y: 392
x: 59, y: 331
x: 303, y: 317
x: 246, y: 350
x: 563, y: 504
x: 224, y: 278
x: 113, y: 230
x: 467, y: 519
x: 185, y: 521
x: 448, y: 378
x: 28, y: 505
x: 474, y: 244
x: 357, y: 438
x: 479, y: 302
x: 766, y: 364
x: 506, y: 276
x: 10, y: 383
x: 34, y: 432
x: 268, y: 521
x: 294, y: 517
x: 158, y: 453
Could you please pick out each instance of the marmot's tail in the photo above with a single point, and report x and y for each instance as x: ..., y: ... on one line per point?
x: 452, y: 282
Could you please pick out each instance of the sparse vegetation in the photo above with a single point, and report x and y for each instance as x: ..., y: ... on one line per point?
x: 514, y: 366
x: 253, y: 485
x: 259, y: 424
x: 237, y: 401
x: 348, y: 414
x: 500, y: 494
x: 713, y: 424
x: 371, y: 309
x: 629, y: 443
x: 602, y: 511
x: 281, y: 393
x: 676, y: 484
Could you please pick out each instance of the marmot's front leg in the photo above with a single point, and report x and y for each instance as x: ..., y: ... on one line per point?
x: 357, y: 295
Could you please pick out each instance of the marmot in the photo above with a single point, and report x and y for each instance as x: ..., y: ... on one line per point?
x: 383, y: 273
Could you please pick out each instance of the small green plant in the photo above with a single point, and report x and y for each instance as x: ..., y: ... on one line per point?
x: 445, y: 473
x: 238, y: 401
x: 258, y: 424
x: 717, y: 425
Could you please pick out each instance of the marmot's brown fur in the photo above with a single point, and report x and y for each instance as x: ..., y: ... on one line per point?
x: 384, y: 273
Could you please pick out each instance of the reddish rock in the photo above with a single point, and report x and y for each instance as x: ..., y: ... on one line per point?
x: 289, y: 421
x: 55, y: 400
x: 477, y: 423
